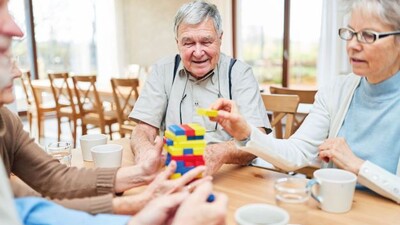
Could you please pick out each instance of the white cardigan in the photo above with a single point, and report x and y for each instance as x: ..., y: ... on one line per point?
x: 324, y: 121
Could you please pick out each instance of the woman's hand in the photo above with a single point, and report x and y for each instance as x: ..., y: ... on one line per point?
x: 160, y: 211
x: 337, y: 150
x: 230, y: 119
x: 195, y: 210
x: 162, y: 185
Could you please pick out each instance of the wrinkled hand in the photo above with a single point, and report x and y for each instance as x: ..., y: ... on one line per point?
x: 153, y: 160
x: 230, y: 119
x: 195, y: 210
x: 162, y: 185
x: 214, y: 157
x: 337, y: 150
x: 159, y: 211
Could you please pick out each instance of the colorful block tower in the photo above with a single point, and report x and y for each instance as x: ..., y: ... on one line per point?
x: 185, y: 144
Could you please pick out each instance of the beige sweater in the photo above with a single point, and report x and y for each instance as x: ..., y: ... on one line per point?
x: 83, y: 189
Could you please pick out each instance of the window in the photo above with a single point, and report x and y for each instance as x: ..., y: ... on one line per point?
x: 65, y: 36
x: 260, y: 39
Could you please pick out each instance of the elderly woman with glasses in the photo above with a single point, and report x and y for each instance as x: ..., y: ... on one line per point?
x: 354, y: 121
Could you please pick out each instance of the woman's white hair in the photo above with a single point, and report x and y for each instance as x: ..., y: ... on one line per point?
x: 388, y: 11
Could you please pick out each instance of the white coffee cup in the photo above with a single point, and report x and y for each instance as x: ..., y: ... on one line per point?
x: 335, y: 189
x: 253, y: 214
x: 107, y: 156
x: 88, y: 141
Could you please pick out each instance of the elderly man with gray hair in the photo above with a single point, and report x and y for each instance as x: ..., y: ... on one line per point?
x: 195, y: 78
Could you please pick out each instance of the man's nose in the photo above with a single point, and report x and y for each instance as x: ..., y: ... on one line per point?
x: 198, y: 50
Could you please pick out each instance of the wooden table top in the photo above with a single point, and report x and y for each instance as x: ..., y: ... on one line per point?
x: 246, y: 184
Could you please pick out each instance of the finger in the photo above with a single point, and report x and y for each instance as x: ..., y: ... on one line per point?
x: 172, y: 200
x: 219, y: 104
x: 221, y: 200
x: 193, y: 185
x: 201, y: 193
x: 325, y: 156
x: 190, y: 175
x: 168, y: 171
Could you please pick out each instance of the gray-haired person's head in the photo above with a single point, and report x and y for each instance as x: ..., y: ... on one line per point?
x: 196, y: 12
x: 388, y: 11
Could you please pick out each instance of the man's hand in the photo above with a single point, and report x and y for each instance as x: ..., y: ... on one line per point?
x: 214, y: 157
x: 337, y: 150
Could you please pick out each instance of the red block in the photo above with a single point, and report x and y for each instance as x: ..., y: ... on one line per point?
x: 189, y: 132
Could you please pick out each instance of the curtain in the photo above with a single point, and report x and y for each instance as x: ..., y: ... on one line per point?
x: 332, y: 56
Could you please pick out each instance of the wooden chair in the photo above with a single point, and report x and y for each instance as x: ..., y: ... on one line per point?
x: 281, y: 106
x: 65, y: 104
x: 90, y: 106
x: 125, y: 92
x: 36, y: 108
x: 306, y: 97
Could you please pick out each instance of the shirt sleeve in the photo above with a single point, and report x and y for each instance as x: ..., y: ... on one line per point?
x: 152, y: 102
x: 46, y: 175
x: 379, y: 180
x: 34, y: 211
x: 246, y: 93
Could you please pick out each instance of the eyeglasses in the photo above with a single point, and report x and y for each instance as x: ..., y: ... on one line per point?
x: 364, y: 36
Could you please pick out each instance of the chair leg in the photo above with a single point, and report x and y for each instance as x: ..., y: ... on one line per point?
x: 59, y: 128
x: 30, y: 122
x: 109, y: 127
x: 84, y: 129
x: 74, y: 131
x: 39, y: 127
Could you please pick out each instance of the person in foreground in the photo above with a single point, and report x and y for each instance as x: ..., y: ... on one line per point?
x: 91, y: 190
x: 19, y: 156
x: 176, y: 88
x: 352, y: 125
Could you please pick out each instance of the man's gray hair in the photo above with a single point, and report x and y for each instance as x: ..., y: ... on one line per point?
x: 196, y: 12
x: 387, y: 10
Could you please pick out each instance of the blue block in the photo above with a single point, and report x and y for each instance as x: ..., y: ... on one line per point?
x: 169, y: 142
x: 168, y: 160
x: 177, y: 130
x: 188, y: 151
x: 199, y: 137
x: 211, y: 198
x: 186, y: 169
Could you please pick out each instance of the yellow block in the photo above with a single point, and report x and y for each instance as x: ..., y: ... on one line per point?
x: 207, y: 112
x: 175, y: 151
x: 175, y: 176
x: 198, y: 130
x: 198, y: 151
x: 173, y: 137
x: 191, y: 144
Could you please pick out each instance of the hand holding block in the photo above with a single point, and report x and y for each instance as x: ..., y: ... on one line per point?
x: 207, y: 112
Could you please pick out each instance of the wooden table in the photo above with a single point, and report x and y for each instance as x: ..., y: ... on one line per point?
x: 245, y: 184
x: 105, y: 91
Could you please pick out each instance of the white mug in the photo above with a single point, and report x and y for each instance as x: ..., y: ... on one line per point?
x: 335, y: 189
x: 253, y: 214
x: 88, y: 141
x: 107, y: 156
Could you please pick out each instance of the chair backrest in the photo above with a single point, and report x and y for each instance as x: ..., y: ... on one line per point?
x: 61, y: 89
x: 26, y: 85
x: 306, y: 96
x: 32, y: 96
x: 125, y: 93
x: 87, y: 96
x: 281, y: 106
